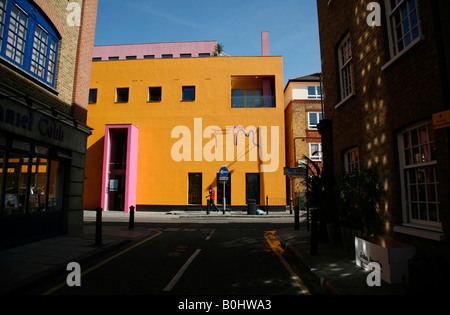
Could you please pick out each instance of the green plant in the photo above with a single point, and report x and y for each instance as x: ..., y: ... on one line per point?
x: 218, y: 51
x: 360, y: 192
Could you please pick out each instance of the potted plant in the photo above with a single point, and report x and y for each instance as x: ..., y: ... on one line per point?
x: 360, y: 192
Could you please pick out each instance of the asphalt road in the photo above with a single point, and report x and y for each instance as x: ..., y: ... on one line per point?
x: 190, y: 259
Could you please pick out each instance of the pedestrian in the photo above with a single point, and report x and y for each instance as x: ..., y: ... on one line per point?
x: 213, y: 197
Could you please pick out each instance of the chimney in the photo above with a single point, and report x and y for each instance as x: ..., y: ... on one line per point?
x: 265, y: 43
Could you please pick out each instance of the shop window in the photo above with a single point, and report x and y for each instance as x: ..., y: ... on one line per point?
x: 30, y: 182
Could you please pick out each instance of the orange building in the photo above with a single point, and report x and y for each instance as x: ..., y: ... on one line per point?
x: 164, y: 127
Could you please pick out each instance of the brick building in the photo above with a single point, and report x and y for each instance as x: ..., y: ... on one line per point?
x: 383, y: 84
x: 303, y: 111
x: 45, y: 63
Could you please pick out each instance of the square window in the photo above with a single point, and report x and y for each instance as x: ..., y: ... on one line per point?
x: 122, y: 95
x: 92, y: 96
x: 188, y: 93
x: 154, y: 94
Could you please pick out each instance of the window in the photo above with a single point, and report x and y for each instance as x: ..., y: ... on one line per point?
x: 404, y: 24
x: 122, y: 95
x: 131, y: 57
x: 346, y: 68
x: 149, y: 56
x: 33, y: 181
x: 154, y: 94
x: 167, y: 56
x: 97, y: 59
x: 313, y: 120
x: 188, y: 93
x: 351, y: 160
x: 315, y: 151
x: 113, y: 58
x: 204, y: 55
x: 2, y: 19
x: 314, y: 92
x: 27, y: 40
x: 252, y: 91
x: 185, y: 55
x: 419, y: 181
x: 195, y: 188
x: 92, y: 96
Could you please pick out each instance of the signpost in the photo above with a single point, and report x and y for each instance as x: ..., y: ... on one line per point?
x: 223, y: 176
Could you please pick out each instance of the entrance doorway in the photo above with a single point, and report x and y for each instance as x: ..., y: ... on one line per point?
x: 120, y: 167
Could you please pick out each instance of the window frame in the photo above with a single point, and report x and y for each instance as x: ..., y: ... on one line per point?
x: 406, y: 185
x: 319, y: 119
x: 150, y: 94
x: 319, y: 155
x: 395, y: 10
x: 90, y: 100
x: 184, y: 95
x: 346, y: 71
x: 35, y: 21
x: 122, y: 90
x: 351, y: 163
x: 317, y: 92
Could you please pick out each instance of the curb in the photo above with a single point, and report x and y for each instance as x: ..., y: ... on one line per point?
x: 324, y: 283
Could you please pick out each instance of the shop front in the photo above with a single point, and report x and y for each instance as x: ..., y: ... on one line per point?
x: 37, y: 169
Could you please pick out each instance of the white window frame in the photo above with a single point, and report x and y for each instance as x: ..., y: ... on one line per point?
x: 311, y: 126
x: 408, y: 220
x: 349, y: 163
x: 318, y: 156
x: 393, y: 10
x: 346, y: 75
x: 317, y: 92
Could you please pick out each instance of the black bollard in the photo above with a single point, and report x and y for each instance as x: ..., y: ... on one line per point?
x: 131, y: 223
x: 208, y: 208
x: 314, y: 232
x: 98, y: 227
x: 297, y: 217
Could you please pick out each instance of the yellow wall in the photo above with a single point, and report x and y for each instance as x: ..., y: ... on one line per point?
x: 161, y: 180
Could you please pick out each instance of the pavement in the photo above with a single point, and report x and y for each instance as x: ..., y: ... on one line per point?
x: 333, y: 267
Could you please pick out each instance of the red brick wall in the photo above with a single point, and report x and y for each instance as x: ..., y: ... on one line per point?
x: 84, y: 60
x: 406, y: 92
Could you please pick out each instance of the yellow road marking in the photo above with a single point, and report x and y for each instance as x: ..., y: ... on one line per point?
x: 275, y: 244
x: 104, y: 262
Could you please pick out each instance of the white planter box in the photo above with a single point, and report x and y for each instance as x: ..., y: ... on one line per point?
x: 392, y: 256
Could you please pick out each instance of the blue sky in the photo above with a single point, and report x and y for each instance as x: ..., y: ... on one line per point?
x: 236, y: 24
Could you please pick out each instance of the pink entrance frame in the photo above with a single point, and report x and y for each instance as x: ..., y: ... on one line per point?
x: 131, y: 166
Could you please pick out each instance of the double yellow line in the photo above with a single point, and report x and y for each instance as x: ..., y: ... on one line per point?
x: 275, y: 244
